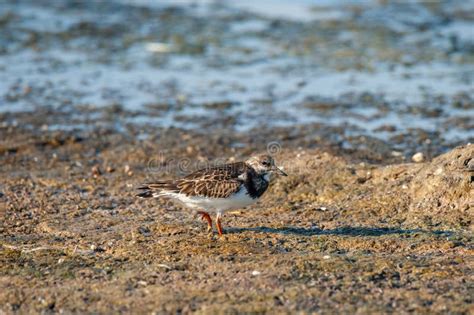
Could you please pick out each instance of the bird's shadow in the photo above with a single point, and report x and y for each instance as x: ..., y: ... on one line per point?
x: 345, y: 230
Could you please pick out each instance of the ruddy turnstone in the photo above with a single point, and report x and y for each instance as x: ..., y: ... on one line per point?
x: 218, y: 189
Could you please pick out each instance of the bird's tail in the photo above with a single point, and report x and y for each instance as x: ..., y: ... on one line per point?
x: 156, y: 189
x: 145, y: 194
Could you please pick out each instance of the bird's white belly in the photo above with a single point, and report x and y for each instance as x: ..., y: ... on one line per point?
x: 236, y: 201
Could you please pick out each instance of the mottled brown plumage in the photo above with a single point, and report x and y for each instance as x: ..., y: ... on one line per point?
x: 214, y: 182
x: 218, y: 182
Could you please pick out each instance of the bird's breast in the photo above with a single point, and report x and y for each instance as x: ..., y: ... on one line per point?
x: 238, y: 200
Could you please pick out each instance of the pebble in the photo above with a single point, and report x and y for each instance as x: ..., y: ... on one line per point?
x: 256, y: 273
x: 418, y: 157
x: 160, y: 48
x: 96, y: 172
x: 128, y: 170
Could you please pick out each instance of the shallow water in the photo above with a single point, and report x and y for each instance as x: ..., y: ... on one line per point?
x: 274, y: 63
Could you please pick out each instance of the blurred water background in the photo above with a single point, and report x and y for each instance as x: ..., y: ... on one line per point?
x: 380, y: 69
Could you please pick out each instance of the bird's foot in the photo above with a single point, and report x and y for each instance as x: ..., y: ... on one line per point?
x: 219, y: 226
x: 207, y: 217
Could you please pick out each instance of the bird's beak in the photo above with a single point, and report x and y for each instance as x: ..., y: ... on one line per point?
x: 279, y: 171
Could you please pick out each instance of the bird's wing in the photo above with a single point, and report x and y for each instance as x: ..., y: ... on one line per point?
x: 213, y: 182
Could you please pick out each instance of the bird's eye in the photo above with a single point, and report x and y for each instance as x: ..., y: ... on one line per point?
x: 265, y: 163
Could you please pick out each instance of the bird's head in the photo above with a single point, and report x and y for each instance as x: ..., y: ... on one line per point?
x: 264, y: 164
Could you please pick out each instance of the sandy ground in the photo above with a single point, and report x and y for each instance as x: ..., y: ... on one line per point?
x: 339, y: 234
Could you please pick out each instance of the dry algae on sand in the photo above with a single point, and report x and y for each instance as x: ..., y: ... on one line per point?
x: 333, y: 236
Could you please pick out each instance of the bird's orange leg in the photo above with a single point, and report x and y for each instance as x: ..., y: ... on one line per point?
x: 218, y: 224
x: 207, y: 217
